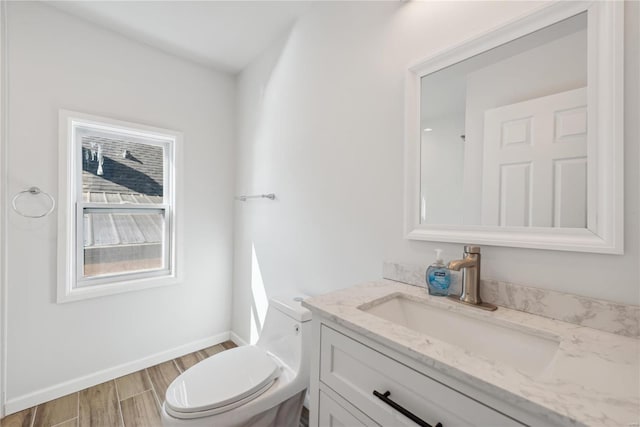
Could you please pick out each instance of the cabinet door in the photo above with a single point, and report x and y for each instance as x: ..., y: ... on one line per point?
x: 334, y: 415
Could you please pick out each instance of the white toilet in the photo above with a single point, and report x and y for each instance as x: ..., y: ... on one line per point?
x: 256, y: 385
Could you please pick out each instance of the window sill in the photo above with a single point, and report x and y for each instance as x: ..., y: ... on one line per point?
x: 96, y: 291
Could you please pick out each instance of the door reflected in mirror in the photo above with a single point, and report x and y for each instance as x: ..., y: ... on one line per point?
x: 503, y: 138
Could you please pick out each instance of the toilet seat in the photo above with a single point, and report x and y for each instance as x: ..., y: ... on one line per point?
x: 221, y: 383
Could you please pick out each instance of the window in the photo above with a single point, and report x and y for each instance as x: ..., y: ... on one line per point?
x: 117, y: 210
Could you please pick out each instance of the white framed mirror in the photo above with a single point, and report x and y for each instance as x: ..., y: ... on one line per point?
x: 515, y: 138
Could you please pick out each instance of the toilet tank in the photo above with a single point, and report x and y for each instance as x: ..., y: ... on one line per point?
x: 287, y: 331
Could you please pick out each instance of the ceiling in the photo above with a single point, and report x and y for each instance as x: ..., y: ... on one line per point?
x: 225, y: 35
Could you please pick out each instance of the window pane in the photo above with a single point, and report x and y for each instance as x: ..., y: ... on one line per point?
x: 115, y: 170
x: 116, y: 243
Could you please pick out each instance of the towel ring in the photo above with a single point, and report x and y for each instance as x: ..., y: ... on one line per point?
x: 33, y: 191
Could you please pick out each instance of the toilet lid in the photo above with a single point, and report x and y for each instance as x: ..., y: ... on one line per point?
x: 222, y: 379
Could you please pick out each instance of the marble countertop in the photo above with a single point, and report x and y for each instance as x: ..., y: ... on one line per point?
x: 594, y: 378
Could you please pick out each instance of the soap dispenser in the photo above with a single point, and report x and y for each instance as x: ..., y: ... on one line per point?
x: 438, y: 277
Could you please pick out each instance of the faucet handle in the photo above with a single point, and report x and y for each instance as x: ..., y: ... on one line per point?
x: 471, y: 249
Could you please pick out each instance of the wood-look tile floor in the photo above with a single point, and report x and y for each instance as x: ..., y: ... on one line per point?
x: 130, y: 401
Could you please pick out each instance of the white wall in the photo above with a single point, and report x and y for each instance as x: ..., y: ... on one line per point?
x: 59, y: 62
x: 321, y: 125
x: 3, y: 216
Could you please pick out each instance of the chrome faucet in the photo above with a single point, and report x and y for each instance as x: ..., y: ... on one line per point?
x: 470, y: 266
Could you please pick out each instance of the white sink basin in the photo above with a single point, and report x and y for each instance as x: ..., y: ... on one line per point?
x: 522, y: 348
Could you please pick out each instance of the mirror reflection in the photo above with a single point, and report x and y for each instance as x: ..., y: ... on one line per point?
x: 504, y: 134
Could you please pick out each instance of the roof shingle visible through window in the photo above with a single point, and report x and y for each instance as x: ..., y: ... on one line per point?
x: 136, y: 177
x: 139, y: 172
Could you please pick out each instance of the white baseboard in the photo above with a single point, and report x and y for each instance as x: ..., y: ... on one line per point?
x: 46, y: 394
x: 236, y: 339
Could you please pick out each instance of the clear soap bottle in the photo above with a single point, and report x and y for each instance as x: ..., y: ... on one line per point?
x: 438, y: 277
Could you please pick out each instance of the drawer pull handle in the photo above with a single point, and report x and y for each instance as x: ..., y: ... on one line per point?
x: 385, y: 398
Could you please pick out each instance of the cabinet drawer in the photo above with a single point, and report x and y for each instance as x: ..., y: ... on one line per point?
x: 354, y: 371
x: 332, y: 414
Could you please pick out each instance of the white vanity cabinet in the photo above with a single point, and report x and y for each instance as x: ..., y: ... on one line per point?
x: 373, y: 363
x: 334, y: 414
x: 346, y: 372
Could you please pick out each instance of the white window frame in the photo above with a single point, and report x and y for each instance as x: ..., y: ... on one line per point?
x: 72, y: 286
